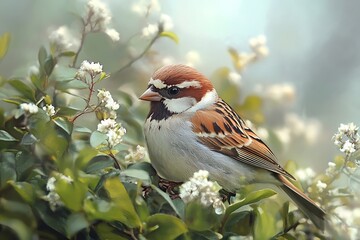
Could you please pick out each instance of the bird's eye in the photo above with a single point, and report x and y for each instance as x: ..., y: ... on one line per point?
x: 172, y: 91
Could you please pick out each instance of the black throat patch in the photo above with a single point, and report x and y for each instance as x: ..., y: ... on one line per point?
x: 158, y: 111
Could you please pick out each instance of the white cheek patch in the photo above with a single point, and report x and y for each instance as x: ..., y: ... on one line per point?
x: 207, y: 100
x: 178, y: 105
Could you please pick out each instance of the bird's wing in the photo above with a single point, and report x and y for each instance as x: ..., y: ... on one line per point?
x: 222, y: 130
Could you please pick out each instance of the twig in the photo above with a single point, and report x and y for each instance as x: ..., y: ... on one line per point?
x: 140, y: 55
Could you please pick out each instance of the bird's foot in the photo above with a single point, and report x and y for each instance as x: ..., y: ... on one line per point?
x: 171, y: 188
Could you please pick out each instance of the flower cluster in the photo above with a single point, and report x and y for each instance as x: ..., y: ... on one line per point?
x: 305, y: 175
x: 53, y: 197
x: 29, y: 108
x: 144, y: 7
x: 347, y: 138
x: 165, y: 24
x: 98, y: 18
x: 62, y: 40
x: 49, y: 109
x: 258, y: 46
x: 136, y: 155
x: 108, y: 103
x: 113, y: 130
x: 91, y: 68
x: 200, y: 188
x: 235, y: 78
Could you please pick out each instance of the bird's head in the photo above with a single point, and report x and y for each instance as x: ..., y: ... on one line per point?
x: 179, y: 88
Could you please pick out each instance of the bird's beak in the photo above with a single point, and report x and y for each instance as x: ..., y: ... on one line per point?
x: 150, y: 95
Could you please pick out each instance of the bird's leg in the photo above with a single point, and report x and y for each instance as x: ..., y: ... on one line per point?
x: 169, y: 187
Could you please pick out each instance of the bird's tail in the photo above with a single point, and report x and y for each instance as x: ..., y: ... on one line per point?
x: 308, y: 206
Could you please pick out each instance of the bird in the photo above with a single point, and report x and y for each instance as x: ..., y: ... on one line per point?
x: 190, y: 128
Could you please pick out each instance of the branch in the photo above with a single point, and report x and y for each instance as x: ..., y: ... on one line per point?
x: 140, y: 55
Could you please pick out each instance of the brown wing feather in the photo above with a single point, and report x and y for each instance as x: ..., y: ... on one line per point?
x: 222, y: 130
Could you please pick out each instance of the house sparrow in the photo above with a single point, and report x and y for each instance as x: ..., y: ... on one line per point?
x: 190, y: 128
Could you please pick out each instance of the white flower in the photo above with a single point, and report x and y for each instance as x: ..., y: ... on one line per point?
x: 330, y: 171
x: 305, y: 175
x: 113, y: 34
x: 92, y: 68
x: 98, y: 15
x: 258, y: 45
x: 283, y: 134
x: 105, y: 125
x: 109, y: 103
x: 166, y: 22
x: 348, y: 147
x: 321, y: 185
x: 281, y: 93
x: 50, y: 185
x: 234, y: 78
x: 115, y: 136
x: 144, y: 7
x: 200, y: 188
x: 112, y: 105
x: 49, y: 109
x: 104, y: 95
x: 150, y: 30
x: 63, y: 39
x: 29, y: 108
x: 192, y: 58
x: 136, y: 155
x: 54, y: 200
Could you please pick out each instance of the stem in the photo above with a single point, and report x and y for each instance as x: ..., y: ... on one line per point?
x: 117, y: 165
x: 286, y: 230
x: 87, y: 108
x: 140, y: 55
x: 82, y: 39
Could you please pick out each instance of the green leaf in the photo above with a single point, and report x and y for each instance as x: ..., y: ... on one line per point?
x: 67, y: 54
x: 64, y: 124
x: 7, y: 169
x: 105, y: 231
x: 75, y: 223
x: 85, y: 156
x: 63, y: 74
x: 5, y: 136
x: 170, y: 35
x: 73, y: 84
x: 72, y: 194
x: 42, y: 55
x: 23, y: 88
x: 199, y: 217
x: 55, y: 221
x: 252, y: 197
x: 99, y: 163
x: 122, y: 201
x: 25, y: 190
x: 181, y: 214
x: 265, y: 222
x: 239, y: 223
x: 97, y: 138
x: 160, y: 225
x: 4, y: 44
x: 49, y: 65
x: 28, y: 139
x: 22, y: 231
x: 137, y: 174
